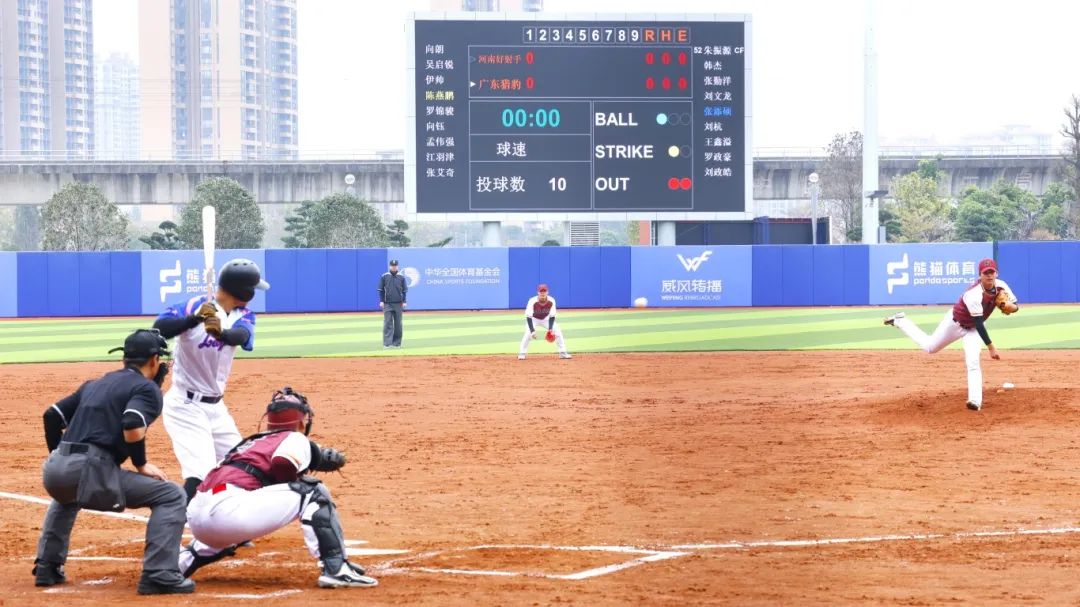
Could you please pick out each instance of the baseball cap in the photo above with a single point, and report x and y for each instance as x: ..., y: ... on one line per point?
x: 541, y: 288
x: 393, y: 262
x: 142, y: 344
x: 987, y: 264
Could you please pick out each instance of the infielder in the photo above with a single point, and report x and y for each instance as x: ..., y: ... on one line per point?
x: 966, y: 320
x: 540, y: 311
x: 261, y: 487
x: 208, y: 333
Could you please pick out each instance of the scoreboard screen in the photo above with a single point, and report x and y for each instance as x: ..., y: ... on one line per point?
x: 643, y: 117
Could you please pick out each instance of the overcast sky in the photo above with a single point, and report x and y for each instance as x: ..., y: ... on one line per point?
x: 948, y: 68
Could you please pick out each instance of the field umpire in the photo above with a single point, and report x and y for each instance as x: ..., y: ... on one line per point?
x: 393, y: 287
x: 106, y: 421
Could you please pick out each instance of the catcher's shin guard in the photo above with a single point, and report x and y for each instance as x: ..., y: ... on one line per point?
x: 322, y: 528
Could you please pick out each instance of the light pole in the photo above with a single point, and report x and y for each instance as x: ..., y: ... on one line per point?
x: 814, y: 188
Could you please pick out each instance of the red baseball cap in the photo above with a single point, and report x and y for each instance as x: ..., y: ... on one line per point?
x: 541, y: 288
x: 987, y: 264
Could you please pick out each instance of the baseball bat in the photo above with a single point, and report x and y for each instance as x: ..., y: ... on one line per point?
x: 209, y: 231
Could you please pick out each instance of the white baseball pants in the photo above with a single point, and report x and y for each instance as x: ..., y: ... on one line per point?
x: 201, y: 433
x: 221, y: 520
x: 948, y: 331
x: 538, y: 324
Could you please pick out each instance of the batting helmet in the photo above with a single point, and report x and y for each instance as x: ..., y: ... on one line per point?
x: 240, y: 278
x: 288, y: 408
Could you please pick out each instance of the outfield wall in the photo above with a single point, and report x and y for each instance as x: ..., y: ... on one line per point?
x: 344, y: 280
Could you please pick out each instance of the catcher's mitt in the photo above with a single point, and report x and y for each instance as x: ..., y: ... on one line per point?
x: 1001, y: 300
x: 550, y: 336
x: 329, y: 460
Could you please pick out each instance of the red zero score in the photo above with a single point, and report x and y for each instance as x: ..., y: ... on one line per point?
x: 529, y: 82
x: 530, y: 57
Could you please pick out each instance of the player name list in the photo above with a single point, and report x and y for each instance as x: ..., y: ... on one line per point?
x: 557, y: 117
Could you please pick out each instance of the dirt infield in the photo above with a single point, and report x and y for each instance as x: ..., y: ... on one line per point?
x: 726, y: 478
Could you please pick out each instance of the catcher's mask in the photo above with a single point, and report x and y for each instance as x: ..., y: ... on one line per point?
x: 288, y: 408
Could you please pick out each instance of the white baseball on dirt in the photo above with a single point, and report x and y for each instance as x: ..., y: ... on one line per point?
x: 1008, y: 386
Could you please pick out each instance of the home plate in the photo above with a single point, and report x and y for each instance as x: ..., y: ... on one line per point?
x: 372, y: 551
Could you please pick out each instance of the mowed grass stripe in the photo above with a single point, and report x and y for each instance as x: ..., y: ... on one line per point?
x: 619, y: 330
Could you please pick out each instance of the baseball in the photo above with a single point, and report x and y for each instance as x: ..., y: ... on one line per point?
x: 641, y: 302
x: 1008, y: 386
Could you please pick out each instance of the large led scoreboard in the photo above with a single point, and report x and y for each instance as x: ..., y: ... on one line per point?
x: 642, y: 116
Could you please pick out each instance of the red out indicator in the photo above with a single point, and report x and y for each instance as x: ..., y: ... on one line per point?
x: 673, y: 183
x: 685, y: 183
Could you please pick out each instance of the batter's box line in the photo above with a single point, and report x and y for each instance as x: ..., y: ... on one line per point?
x: 649, y: 556
x: 870, y: 539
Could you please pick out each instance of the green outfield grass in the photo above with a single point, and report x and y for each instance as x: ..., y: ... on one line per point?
x: 434, y: 333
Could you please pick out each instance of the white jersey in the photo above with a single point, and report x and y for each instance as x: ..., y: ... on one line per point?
x: 201, y: 362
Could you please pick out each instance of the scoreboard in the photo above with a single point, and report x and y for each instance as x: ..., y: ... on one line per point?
x: 578, y: 119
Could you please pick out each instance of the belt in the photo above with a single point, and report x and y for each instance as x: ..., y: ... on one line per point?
x: 66, y: 448
x: 210, y: 400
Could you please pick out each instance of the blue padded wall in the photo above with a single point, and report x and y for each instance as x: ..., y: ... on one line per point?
x: 524, y: 275
x: 311, y: 280
x: 1013, y: 259
x: 95, y: 284
x: 370, y: 265
x: 32, y: 284
x: 828, y: 275
x: 125, y: 283
x: 585, y: 271
x: 856, y: 274
x: 767, y: 283
x: 555, y: 272
x: 62, y: 280
x: 281, y: 274
x: 798, y: 274
x: 614, y: 277
x: 342, y: 293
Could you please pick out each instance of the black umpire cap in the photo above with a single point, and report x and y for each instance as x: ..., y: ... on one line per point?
x: 142, y: 344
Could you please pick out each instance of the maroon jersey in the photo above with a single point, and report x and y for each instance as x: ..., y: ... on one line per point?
x: 976, y: 301
x: 263, y: 459
x: 540, y: 310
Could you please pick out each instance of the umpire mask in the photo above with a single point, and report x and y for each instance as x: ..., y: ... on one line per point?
x: 287, y: 409
x: 162, y: 371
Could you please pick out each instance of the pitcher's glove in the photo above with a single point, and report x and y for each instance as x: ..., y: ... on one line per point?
x: 1001, y: 300
x: 329, y: 460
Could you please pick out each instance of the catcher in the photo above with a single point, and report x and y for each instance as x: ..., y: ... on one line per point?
x: 966, y: 320
x: 540, y: 311
x: 260, y: 486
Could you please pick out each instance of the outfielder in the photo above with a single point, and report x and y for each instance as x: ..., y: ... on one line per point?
x: 966, y: 320
x: 540, y: 311
x: 208, y: 333
x: 261, y: 487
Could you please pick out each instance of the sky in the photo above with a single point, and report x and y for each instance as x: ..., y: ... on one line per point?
x: 948, y: 69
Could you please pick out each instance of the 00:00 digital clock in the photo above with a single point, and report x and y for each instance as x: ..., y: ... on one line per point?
x: 541, y: 118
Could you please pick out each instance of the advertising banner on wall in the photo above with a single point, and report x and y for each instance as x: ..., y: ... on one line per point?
x: 691, y: 276
x: 9, y: 295
x: 455, y: 279
x: 173, y: 276
x: 924, y: 273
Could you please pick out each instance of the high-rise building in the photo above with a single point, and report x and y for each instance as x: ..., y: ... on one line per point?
x: 46, y: 77
x: 116, y: 107
x: 218, y: 78
x: 488, y: 5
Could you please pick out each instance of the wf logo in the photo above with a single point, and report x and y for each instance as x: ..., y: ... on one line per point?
x: 694, y: 263
x: 894, y: 267
x: 170, y: 289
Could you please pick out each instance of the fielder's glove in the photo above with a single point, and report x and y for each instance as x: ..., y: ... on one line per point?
x: 329, y: 460
x: 550, y: 336
x: 213, y: 326
x: 1001, y: 300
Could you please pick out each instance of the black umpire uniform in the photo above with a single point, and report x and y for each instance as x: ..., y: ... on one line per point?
x: 83, y: 468
x: 393, y: 289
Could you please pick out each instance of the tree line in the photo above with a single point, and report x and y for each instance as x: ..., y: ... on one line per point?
x: 79, y: 217
x: 915, y: 211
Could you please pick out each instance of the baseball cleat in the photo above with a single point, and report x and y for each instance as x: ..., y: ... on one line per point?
x: 48, y: 575
x: 974, y: 406
x: 565, y: 355
x: 521, y: 357
x: 891, y: 321
x: 349, y: 576
x: 147, y: 586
